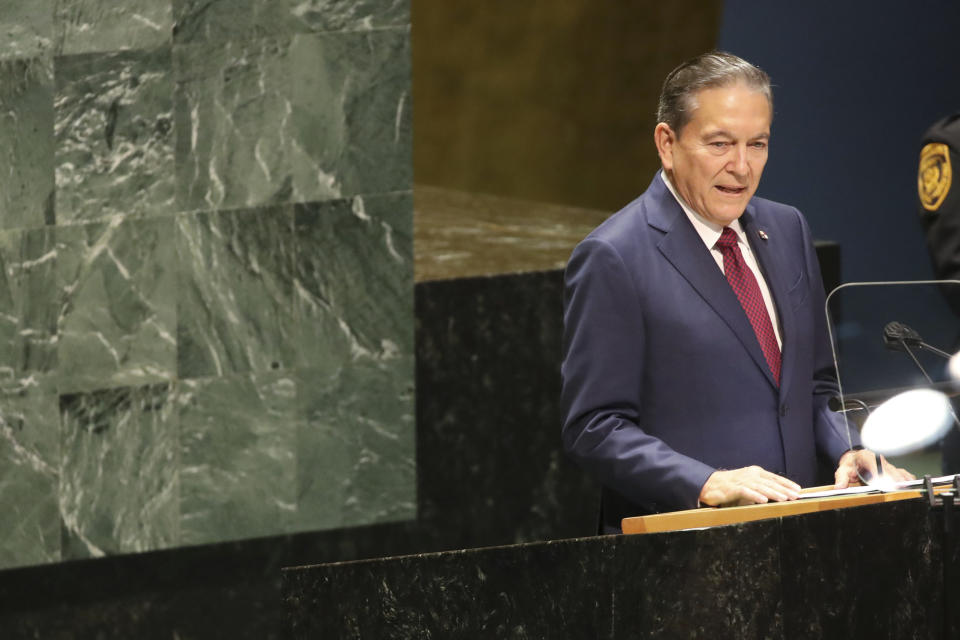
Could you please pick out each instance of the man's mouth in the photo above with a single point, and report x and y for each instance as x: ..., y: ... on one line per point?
x: 734, y: 191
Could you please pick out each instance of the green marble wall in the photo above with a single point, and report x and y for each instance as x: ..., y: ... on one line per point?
x: 206, y: 278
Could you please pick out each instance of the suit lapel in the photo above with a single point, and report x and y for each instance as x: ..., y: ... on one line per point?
x: 769, y: 253
x: 684, y: 248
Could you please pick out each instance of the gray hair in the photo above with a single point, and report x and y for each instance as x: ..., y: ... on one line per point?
x: 678, y: 98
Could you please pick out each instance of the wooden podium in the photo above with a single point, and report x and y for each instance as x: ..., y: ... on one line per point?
x: 711, y: 517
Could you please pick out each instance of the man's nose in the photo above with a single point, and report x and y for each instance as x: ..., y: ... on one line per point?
x: 738, y: 163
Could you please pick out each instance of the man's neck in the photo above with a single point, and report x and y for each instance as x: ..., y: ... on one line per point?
x: 689, y: 210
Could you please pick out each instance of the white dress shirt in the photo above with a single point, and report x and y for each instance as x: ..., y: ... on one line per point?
x: 710, y: 233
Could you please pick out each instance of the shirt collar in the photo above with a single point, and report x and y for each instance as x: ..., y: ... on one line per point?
x: 708, y: 231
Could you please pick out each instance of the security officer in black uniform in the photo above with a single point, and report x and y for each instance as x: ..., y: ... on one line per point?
x: 940, y: 199
x: 939, y: 206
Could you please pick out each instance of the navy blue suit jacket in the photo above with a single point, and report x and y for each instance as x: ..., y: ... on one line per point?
x: 664, y: 381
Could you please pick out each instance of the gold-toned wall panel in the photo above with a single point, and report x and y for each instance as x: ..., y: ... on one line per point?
x: 547, y: 100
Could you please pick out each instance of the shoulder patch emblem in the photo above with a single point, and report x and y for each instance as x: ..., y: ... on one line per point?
x: 934, y: 176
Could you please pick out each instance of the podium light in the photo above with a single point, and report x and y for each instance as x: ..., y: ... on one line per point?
x: 954, y: 366
x: 908, y: 421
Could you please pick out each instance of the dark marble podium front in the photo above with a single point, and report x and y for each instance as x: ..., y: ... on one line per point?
x: 865, y: 572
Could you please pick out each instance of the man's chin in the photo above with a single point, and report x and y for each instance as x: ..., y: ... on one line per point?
x: 725, y: 215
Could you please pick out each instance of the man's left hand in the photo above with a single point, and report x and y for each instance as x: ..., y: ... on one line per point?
x: 865, y: 461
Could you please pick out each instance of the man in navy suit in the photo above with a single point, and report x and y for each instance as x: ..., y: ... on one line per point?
x: 697, y: 367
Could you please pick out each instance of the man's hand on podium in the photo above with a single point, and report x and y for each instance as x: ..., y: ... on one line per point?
x: 864, y: 461
x: 749, y: 485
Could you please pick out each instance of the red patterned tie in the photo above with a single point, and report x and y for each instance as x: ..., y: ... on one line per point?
x: 745, y: 285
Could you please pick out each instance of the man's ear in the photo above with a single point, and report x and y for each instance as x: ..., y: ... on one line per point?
x: 664, y: 138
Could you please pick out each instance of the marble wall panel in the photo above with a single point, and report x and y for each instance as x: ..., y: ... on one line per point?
x: 220, y: 20
x: 468, y: 492
x: 85, y: 26
x: 28, y: 331
x: 297, y: 119
x: 26, y: 137
x: 114, y: 135
x: 354, y: 279
x: 29, y: 479
x: 238, y: 456
x: 234, y: 300
x: 117, y: 321
x: 118, y: 489
x: 488, y: 378
x: 27, y: 28
x: 190, y: 193
x: 356, y: 449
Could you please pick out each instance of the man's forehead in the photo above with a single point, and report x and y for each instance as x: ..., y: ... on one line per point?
x: 719, y: 132
x: 739, y: 87
x: 720, y: 111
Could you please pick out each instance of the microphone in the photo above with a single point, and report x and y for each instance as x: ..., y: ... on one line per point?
x: 900, y: 337
x: 896, y: 335
x: 927, y: 411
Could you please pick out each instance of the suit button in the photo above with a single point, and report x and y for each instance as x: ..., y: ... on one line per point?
x: 783, y: 409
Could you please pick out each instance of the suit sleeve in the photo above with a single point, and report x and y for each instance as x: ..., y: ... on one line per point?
x: 603, y: 369
x: 831, y: 432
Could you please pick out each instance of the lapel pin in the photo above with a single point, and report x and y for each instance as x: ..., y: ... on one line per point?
x: 762, y: 234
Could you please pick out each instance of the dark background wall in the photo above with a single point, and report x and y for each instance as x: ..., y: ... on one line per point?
x: 857, y: 84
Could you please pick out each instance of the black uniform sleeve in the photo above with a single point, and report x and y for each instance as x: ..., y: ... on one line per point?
x: 938, y: 200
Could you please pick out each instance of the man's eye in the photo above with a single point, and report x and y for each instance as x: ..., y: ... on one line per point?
x: 760, y: 145
x: 719, y: 145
